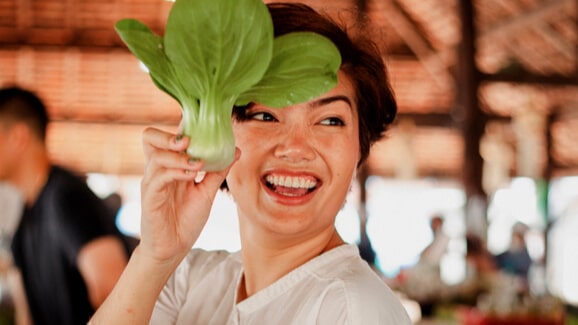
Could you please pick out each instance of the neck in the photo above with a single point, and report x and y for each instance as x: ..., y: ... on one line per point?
x: 263, y: 264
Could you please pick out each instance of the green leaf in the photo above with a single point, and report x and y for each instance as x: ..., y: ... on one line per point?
x: 148, y: 48
x: 224, y: 44
x: 304, y: 66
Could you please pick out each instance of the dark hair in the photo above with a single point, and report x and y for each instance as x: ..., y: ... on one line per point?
x: 361, y: 61
x: 21, y: 105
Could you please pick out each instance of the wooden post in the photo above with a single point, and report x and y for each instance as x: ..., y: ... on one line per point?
x: 365, y: 248
x: 473, y: 122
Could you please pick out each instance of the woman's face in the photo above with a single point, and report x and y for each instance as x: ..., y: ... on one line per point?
x: 297, y: 163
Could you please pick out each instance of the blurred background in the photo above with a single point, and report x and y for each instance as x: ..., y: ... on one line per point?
x: 486, y: 139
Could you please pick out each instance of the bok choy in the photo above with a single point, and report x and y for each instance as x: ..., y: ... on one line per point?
x: 216, y: 54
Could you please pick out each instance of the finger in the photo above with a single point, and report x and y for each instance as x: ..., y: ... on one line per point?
x: 157, y: 180
x: 158, y: 176
x: 173, y: 160
x: 157, y: 139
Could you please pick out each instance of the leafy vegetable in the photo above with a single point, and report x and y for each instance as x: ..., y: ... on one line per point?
x: 216, y: 54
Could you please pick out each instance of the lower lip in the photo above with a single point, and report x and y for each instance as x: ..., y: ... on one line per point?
x: 289, y: 200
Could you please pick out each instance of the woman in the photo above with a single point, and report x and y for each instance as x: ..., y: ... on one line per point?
x: 292, y: 173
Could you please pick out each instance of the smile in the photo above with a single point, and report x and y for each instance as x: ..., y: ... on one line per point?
x: 291, y: 185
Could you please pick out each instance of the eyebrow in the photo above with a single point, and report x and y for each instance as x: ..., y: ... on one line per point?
x: 328, y: 100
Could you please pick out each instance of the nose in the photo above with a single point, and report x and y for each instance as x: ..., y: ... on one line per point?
x: 296, y: 145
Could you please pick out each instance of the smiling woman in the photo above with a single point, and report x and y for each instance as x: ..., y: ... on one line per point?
x: 292, y: 171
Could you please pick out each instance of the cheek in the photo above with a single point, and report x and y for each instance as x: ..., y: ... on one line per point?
x: 345, y: 149
x: 242, y: 166
x: 242, y: 136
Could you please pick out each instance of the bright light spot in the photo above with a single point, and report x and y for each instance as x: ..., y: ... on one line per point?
x: 222, y: 228
x: 453, y: 268
x: 569, y: 267
x: 516, y: 203
x: 562, y: 246
x: 143, y: 67
x: 563, y: 191
x: 101, y: 184
x: 128, y: 218
x: 347, y: 221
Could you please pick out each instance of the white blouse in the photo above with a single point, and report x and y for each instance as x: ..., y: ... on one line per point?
x: 337, y: 287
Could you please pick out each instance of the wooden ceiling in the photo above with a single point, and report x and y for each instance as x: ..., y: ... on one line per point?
x: 525, y: 64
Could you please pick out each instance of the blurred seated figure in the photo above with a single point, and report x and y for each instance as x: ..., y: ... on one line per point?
x: 434, y: 252
x: 422, y: 282
x: 516, y: 260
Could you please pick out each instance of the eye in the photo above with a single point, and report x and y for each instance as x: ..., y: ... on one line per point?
x: 332, y: 121
x: 262, y: 116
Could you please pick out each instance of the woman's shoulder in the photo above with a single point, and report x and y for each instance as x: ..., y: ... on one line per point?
x: 356, y: 289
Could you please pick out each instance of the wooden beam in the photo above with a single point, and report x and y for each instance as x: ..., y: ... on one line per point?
x: 429, y: 119
x: 555, y: 39
x: 526, y: 77
x: 526, y: 19
x: 409, y: 33
x: 63, y: 37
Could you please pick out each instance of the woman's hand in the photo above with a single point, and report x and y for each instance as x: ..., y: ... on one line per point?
x: 175, y: 207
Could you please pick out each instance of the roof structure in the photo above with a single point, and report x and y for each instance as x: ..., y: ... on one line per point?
x: 486, y: 85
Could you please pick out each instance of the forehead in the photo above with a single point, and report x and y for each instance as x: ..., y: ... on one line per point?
x: 344, y: 88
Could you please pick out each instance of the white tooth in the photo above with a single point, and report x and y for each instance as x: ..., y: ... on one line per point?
x: 294, y: 182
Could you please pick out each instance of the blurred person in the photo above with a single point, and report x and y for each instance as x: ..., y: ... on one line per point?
x: 434, y: 252
x: 293, y: 267
x: 68, y: 252
x: 516, y: 259
x: 423, y: 281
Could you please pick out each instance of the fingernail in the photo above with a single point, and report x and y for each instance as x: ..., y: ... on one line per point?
x: 193, y: 160
x: 178, y: 138
x: 187, y: 172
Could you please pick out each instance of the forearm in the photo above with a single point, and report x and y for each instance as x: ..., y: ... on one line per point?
x: 133, y: 298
